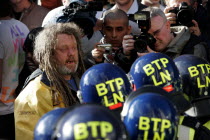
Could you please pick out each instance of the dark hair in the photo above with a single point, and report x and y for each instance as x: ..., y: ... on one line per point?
x: 5, y: 8
x: 115, y: 14
x: 30, y: 39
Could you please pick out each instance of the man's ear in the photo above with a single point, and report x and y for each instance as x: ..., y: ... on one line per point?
x: 168, y: 24
x: 195, y: 5
x: 129, y: 29
x: 102, y: 28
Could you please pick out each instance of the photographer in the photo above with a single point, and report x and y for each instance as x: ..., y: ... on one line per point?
x: 130, y: 7
x: 189, y: 13
x: 173, y: 41
x: 115, y: 27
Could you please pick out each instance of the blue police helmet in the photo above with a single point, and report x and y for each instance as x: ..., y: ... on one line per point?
x: 150, y: 116
x: 105, y: 84
x: 46, y: 124
x: 195, y: 73
x: 90, y: 122
x: 156, y: 69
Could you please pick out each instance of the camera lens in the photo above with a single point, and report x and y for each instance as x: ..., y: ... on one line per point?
x: 185, y: 17
x: 140, y: 45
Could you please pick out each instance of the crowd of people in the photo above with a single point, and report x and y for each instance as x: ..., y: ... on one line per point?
x: 134, y: 69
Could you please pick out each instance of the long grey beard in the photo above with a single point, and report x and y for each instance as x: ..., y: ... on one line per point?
x: 65, y: 71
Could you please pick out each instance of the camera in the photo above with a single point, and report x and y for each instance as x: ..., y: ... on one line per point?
x: 107, y: 47
x: 184, y: 13
x: 83, y: 14
x: 144, y: 39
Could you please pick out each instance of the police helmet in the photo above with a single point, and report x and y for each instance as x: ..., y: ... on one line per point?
x: 156, y: 69
x: 150, y: 116
x: 90, y: 122
x: 177, y: 98
x: 195, y: 73
x: 105, y: 84
x: 46, y: 124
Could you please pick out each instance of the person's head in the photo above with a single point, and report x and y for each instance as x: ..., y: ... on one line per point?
x: 115, y: 27
x: 5, y: 8
x: 156, y: 69
x: 151, y: 2
x: 160, y: 29
x: 66, y: 2
x: 89, y: 122
x: 46, y: 124
x: 150, y: 116
x: 124, y: 2
x: 29, y: 48
x: 19, y: 1
x: 176, y: 3
x: 58, y: 52
x: 20, y: 5
x: 109, y: 87
x: 195, y: 73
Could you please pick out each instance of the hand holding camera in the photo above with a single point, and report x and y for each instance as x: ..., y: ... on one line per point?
x: 195, y: 29
x: 97, y: 53
x: 128, y: 44
x: 170, y: 16
x: 184, y: 14
x: 100, y: 50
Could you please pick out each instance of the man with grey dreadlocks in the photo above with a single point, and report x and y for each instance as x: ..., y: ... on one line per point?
x: 58, y: 52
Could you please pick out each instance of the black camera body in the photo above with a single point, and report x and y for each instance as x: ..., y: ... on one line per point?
x: 184, y: 13
x: 83, y: 14
x: 141, y: 42
x: 144, y: 39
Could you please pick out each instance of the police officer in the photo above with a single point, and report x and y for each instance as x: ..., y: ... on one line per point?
x: 195, y: 72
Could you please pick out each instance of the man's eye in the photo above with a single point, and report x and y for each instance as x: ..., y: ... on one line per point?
x: 156, y: 32
x: 119, y: 29
x: 108, y: 29
x: 62, y: 50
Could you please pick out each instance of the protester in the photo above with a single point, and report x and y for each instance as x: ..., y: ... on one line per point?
x: 30, y: 64
x: 29, y: 13
x: 12, y: 36
x: 58, y: 52
x: 85, y: 20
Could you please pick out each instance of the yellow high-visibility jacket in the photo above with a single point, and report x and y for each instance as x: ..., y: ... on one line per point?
x: 34, y: 101
x: 188, y: 133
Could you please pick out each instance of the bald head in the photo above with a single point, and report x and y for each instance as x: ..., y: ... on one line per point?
x: 116, y: 14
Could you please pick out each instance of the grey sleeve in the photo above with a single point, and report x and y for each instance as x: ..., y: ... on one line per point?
x: 1, y: 51
x: 200, y: 50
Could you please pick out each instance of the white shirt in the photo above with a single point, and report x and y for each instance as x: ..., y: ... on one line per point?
x: 132, y: 10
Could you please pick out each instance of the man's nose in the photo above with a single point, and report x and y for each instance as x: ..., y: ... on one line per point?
x: 114, y: 35
x: 70, y: 51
